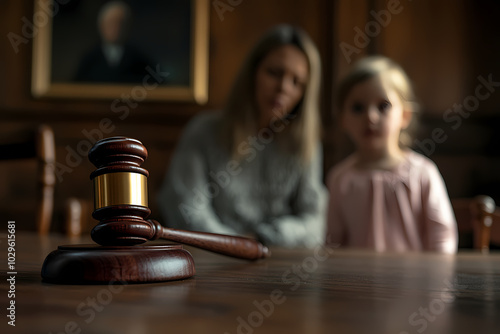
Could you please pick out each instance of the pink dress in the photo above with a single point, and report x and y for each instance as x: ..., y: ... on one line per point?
x: 404, y: 209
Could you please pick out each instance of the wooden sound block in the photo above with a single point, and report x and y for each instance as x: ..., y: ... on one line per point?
x: 94, y: 264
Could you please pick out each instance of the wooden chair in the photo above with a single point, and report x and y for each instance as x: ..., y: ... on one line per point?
x: 480, y: 217
x: 78, y: 217
x: 40, y: 146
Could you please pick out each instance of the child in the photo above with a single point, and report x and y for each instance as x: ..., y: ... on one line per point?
x: 385, y: 197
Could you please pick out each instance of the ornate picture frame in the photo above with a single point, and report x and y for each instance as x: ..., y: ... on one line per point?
x: 173, y: 34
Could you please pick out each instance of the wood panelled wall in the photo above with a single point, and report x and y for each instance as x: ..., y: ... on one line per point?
x: 445, y: 46
x: 157, y: 125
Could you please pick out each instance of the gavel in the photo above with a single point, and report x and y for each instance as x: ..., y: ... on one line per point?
x: 121, y: 205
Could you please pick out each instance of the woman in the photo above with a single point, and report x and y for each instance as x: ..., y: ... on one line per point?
x: 255, y: 168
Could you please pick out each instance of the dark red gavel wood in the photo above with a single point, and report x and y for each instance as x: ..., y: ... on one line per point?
x: 131, y: 233
x: 126, y: 224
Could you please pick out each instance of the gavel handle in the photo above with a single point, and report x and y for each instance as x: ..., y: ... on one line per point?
x: 239, y: 247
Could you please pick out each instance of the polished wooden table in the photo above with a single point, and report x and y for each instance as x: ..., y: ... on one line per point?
x: 295, y: 291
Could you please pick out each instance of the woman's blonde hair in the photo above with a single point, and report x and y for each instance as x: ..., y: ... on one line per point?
x: 240, y: 112
x: 372, y: 66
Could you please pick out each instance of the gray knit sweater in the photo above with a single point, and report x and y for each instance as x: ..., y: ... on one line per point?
x: 268, y: 194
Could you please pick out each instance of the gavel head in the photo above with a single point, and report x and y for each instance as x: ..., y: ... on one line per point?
x: 120, y: 192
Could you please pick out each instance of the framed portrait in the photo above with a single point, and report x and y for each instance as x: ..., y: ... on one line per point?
x: 95, y: 49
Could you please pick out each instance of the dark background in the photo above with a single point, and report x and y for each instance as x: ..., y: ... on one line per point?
x: 444, y: 46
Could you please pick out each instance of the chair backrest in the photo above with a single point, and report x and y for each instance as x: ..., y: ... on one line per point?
x: 480, y: 217
x: 38, y: 145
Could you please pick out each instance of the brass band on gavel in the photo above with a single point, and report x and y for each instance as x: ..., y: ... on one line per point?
x: 123, y: 188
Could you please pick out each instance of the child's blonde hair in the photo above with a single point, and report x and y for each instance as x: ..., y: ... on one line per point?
x: 372, y: 66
